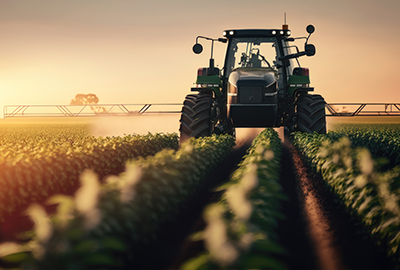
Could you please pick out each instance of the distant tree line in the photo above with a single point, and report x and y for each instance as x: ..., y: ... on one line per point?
x: 82, y: 99
x: 85, y: 99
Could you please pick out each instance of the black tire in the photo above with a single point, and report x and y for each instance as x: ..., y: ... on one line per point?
x: 311, y: 114
x: 201, y: 125
x: 196, y: 116
x: 186, y: 118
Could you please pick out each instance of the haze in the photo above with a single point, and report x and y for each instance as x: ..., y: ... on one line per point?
x: 140, y: 51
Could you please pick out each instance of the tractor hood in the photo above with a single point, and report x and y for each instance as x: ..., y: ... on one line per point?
x: 267, y: 75
x: 252, y: 93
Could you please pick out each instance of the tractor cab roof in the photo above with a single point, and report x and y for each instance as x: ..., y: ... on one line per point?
x: 255, y: 33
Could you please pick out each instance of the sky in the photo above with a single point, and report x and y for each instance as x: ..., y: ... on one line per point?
x: 130, y: 51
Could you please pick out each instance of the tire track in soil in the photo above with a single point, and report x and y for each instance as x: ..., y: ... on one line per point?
x: 292, y: 231
x: 335, y: 239
x: 321, y: 235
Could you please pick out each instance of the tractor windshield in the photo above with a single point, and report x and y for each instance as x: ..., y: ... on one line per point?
x: 250, y: 53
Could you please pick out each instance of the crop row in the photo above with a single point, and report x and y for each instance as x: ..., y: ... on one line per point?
x: 381, y: 141
x: 240, y: 231
x: 389, y: 130
x: 351, y: 173
x: 106, y: 225
x: 56, y: 170
x: 26, y: 141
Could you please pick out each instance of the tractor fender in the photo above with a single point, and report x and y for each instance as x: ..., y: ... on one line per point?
x: 301, y: 90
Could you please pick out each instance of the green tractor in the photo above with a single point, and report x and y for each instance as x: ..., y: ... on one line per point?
x: 262, y: 85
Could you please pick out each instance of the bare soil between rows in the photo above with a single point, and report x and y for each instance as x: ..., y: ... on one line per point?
x: 318, y: 233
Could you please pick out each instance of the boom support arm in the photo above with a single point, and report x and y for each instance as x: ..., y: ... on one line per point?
x: 362, y: 109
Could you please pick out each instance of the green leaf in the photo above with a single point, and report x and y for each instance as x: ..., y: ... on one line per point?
x: 113, y: 243
x: 197, y: 236
x: 99, y: 259
x: 75, y: 234
x: 260, y: 262
x: 16, y: 257
x: 195, y: 263
x: 85, y: 246
x: 269, y: 246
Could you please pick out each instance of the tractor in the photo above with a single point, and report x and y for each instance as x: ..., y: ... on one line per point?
x: 261, y: 85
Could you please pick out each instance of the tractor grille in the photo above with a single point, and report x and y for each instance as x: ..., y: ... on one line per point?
x: 250, y: 94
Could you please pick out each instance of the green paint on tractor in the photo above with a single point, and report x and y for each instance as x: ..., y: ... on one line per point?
x: 297, y: 81
x: 210, y: 80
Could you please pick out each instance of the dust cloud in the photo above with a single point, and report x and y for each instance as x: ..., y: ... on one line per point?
x: 166, y: 123
x: 246, y: 135
x: 333, y: 121
x: 141, y: 124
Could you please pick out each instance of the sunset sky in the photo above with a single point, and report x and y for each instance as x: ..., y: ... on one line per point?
x: 129, y: 51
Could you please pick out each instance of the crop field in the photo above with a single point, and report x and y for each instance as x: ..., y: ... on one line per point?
x: 71, y: 200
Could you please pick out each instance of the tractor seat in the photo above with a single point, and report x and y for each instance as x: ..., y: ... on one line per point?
x: 255, y: 62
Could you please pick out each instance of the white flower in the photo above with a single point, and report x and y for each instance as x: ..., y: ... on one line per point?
x: 366, y: 162
x: 216, y: 241
x: 8, y: 248
x: 236, y: 197
x: 43, y: 228
x: 268, y: 155
x: 246, y: 240
x: 86, y: 199
x: 360, y: 181
x: 133, y: 174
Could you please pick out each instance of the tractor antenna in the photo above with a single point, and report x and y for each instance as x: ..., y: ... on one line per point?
x: 285, y: 26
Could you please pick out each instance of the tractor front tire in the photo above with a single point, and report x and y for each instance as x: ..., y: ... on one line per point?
x: 186, y: 118
x: 201, y: 125
x: 196, y: 116
x: 311, y: 114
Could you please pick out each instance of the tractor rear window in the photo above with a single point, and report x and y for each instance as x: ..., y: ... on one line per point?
x: 251, y: 53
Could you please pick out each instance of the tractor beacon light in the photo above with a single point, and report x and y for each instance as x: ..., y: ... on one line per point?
x: 301, y: 71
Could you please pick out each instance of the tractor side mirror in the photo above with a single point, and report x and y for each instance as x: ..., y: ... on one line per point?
x: 310, y: 29
x: 309, y: 49
x: 197, y: 48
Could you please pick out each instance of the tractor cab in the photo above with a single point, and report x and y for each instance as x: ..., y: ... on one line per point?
x: 256, y: 49
x: 254, y: 74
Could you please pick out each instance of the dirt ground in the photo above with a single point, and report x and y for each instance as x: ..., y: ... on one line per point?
x: 318, y: 233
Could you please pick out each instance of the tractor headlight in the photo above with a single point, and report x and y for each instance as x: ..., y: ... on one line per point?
x: 274, y: 32
x: 231, y: 33
x: 281, y: 32
x: 288, y: 33
x: 205, y: 85
x: 224, y: 34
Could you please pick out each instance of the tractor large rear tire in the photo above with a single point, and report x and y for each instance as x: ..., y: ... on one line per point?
x: 196, y: 116
x: 311, y: 114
